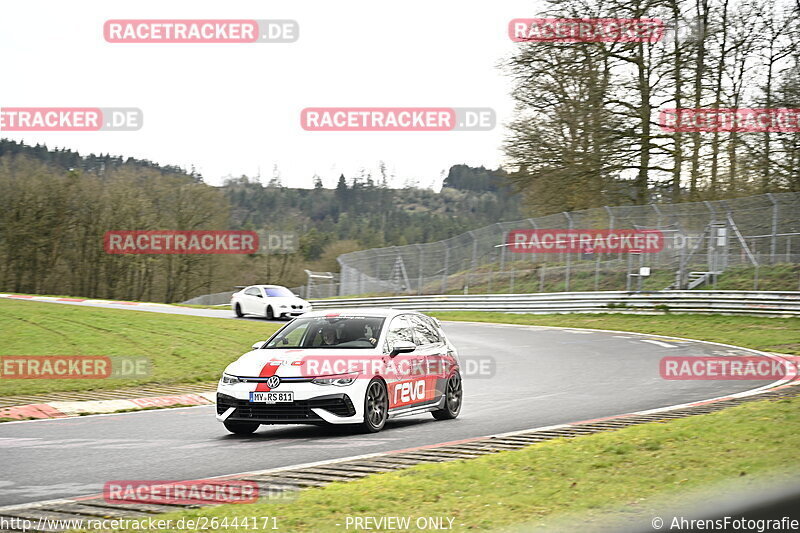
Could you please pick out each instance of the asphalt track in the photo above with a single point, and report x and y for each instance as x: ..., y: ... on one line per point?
x: 542, y: 376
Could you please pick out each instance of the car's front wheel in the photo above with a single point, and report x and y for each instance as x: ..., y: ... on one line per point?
x: 241, y: 428
x: 270, y: 313
x: 376, y: 406
x: 452, y: 404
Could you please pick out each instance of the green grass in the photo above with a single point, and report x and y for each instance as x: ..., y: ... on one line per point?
x: 597, y: 476
x: 761, y: 333
x: 181, y: 349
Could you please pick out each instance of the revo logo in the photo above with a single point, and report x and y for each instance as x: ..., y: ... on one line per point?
x: 409, y: 392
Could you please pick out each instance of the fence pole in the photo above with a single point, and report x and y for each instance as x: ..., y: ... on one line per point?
x: 444, y: 271
x: 541, y: 277
x: 569, y: 254
x: 419, y: 270
x: 474, y: 250
x: 610, y: 220
x: 503, y: 253
x: 755, y: 279
x: 533, y: 226
x: 773, y: 240
x: 511, y: 289
x: 308, y: 284
x: 597, y: 272
x: 639, y: 274
x: 628, y: 275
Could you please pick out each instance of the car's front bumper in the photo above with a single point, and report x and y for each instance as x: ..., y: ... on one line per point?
x: 313, y: 404
x: 291, y: 312
x: 332, y: 408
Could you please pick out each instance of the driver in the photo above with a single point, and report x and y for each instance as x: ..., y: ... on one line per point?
x: 328, y: 336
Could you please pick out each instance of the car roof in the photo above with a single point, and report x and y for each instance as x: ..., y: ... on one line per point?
x: 267, y: 286
x: 361, y: 311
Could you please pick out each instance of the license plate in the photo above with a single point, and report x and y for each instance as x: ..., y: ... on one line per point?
x: 271, y: 397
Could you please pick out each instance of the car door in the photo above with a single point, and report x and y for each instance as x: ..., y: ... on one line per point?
x: 407, y: 385
x: 253, y: 301
x: 430, y: 351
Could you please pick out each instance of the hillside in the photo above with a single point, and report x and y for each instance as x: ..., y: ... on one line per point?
x: 65, y: 202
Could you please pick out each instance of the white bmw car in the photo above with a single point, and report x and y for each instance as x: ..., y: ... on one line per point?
x: 358, y: 367
x: 270, y: 301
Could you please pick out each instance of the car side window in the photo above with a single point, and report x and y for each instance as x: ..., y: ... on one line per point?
x: 253, y: 291
x: 424, y: 333
x: 399, y: 330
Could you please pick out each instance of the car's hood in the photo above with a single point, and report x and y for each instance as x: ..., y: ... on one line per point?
x: 300, y: 362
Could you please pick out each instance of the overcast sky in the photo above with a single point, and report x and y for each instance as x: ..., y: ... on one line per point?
x: 232, y: 109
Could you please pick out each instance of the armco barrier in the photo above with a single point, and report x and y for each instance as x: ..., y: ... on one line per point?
x: 786, y: 304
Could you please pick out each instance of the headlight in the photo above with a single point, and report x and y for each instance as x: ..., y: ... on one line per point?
x: 342, y: 380
x: 284, y: 306
x: 230, y: 380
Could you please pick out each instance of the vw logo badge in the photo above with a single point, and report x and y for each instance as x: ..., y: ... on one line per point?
x: 273, y: 382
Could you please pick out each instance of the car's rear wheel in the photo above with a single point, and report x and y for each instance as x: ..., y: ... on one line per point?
x: 453, y: 394
x: 270, y: 313
x: 238, y: 310
x: 241, y: 428
x: 376, y: 406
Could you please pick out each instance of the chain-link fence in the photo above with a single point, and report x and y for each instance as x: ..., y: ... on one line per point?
x: 319, y: 285
x: 702, y: 240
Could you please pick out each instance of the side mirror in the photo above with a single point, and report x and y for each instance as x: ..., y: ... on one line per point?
x: 403, y: 347
x: 258, y: 345
x: 297, y: 295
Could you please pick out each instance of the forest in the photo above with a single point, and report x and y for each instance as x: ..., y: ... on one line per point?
x: 57, y: 206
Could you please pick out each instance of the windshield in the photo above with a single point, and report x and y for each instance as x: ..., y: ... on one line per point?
x: 329, y: 332
x: 278, y: 291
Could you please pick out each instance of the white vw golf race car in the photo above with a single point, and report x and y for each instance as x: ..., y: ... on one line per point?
x: 343, y: 367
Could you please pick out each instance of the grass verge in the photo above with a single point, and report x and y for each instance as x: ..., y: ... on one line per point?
x: 596, y: 476
x: 760, y: 333
x: 180, y: 349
